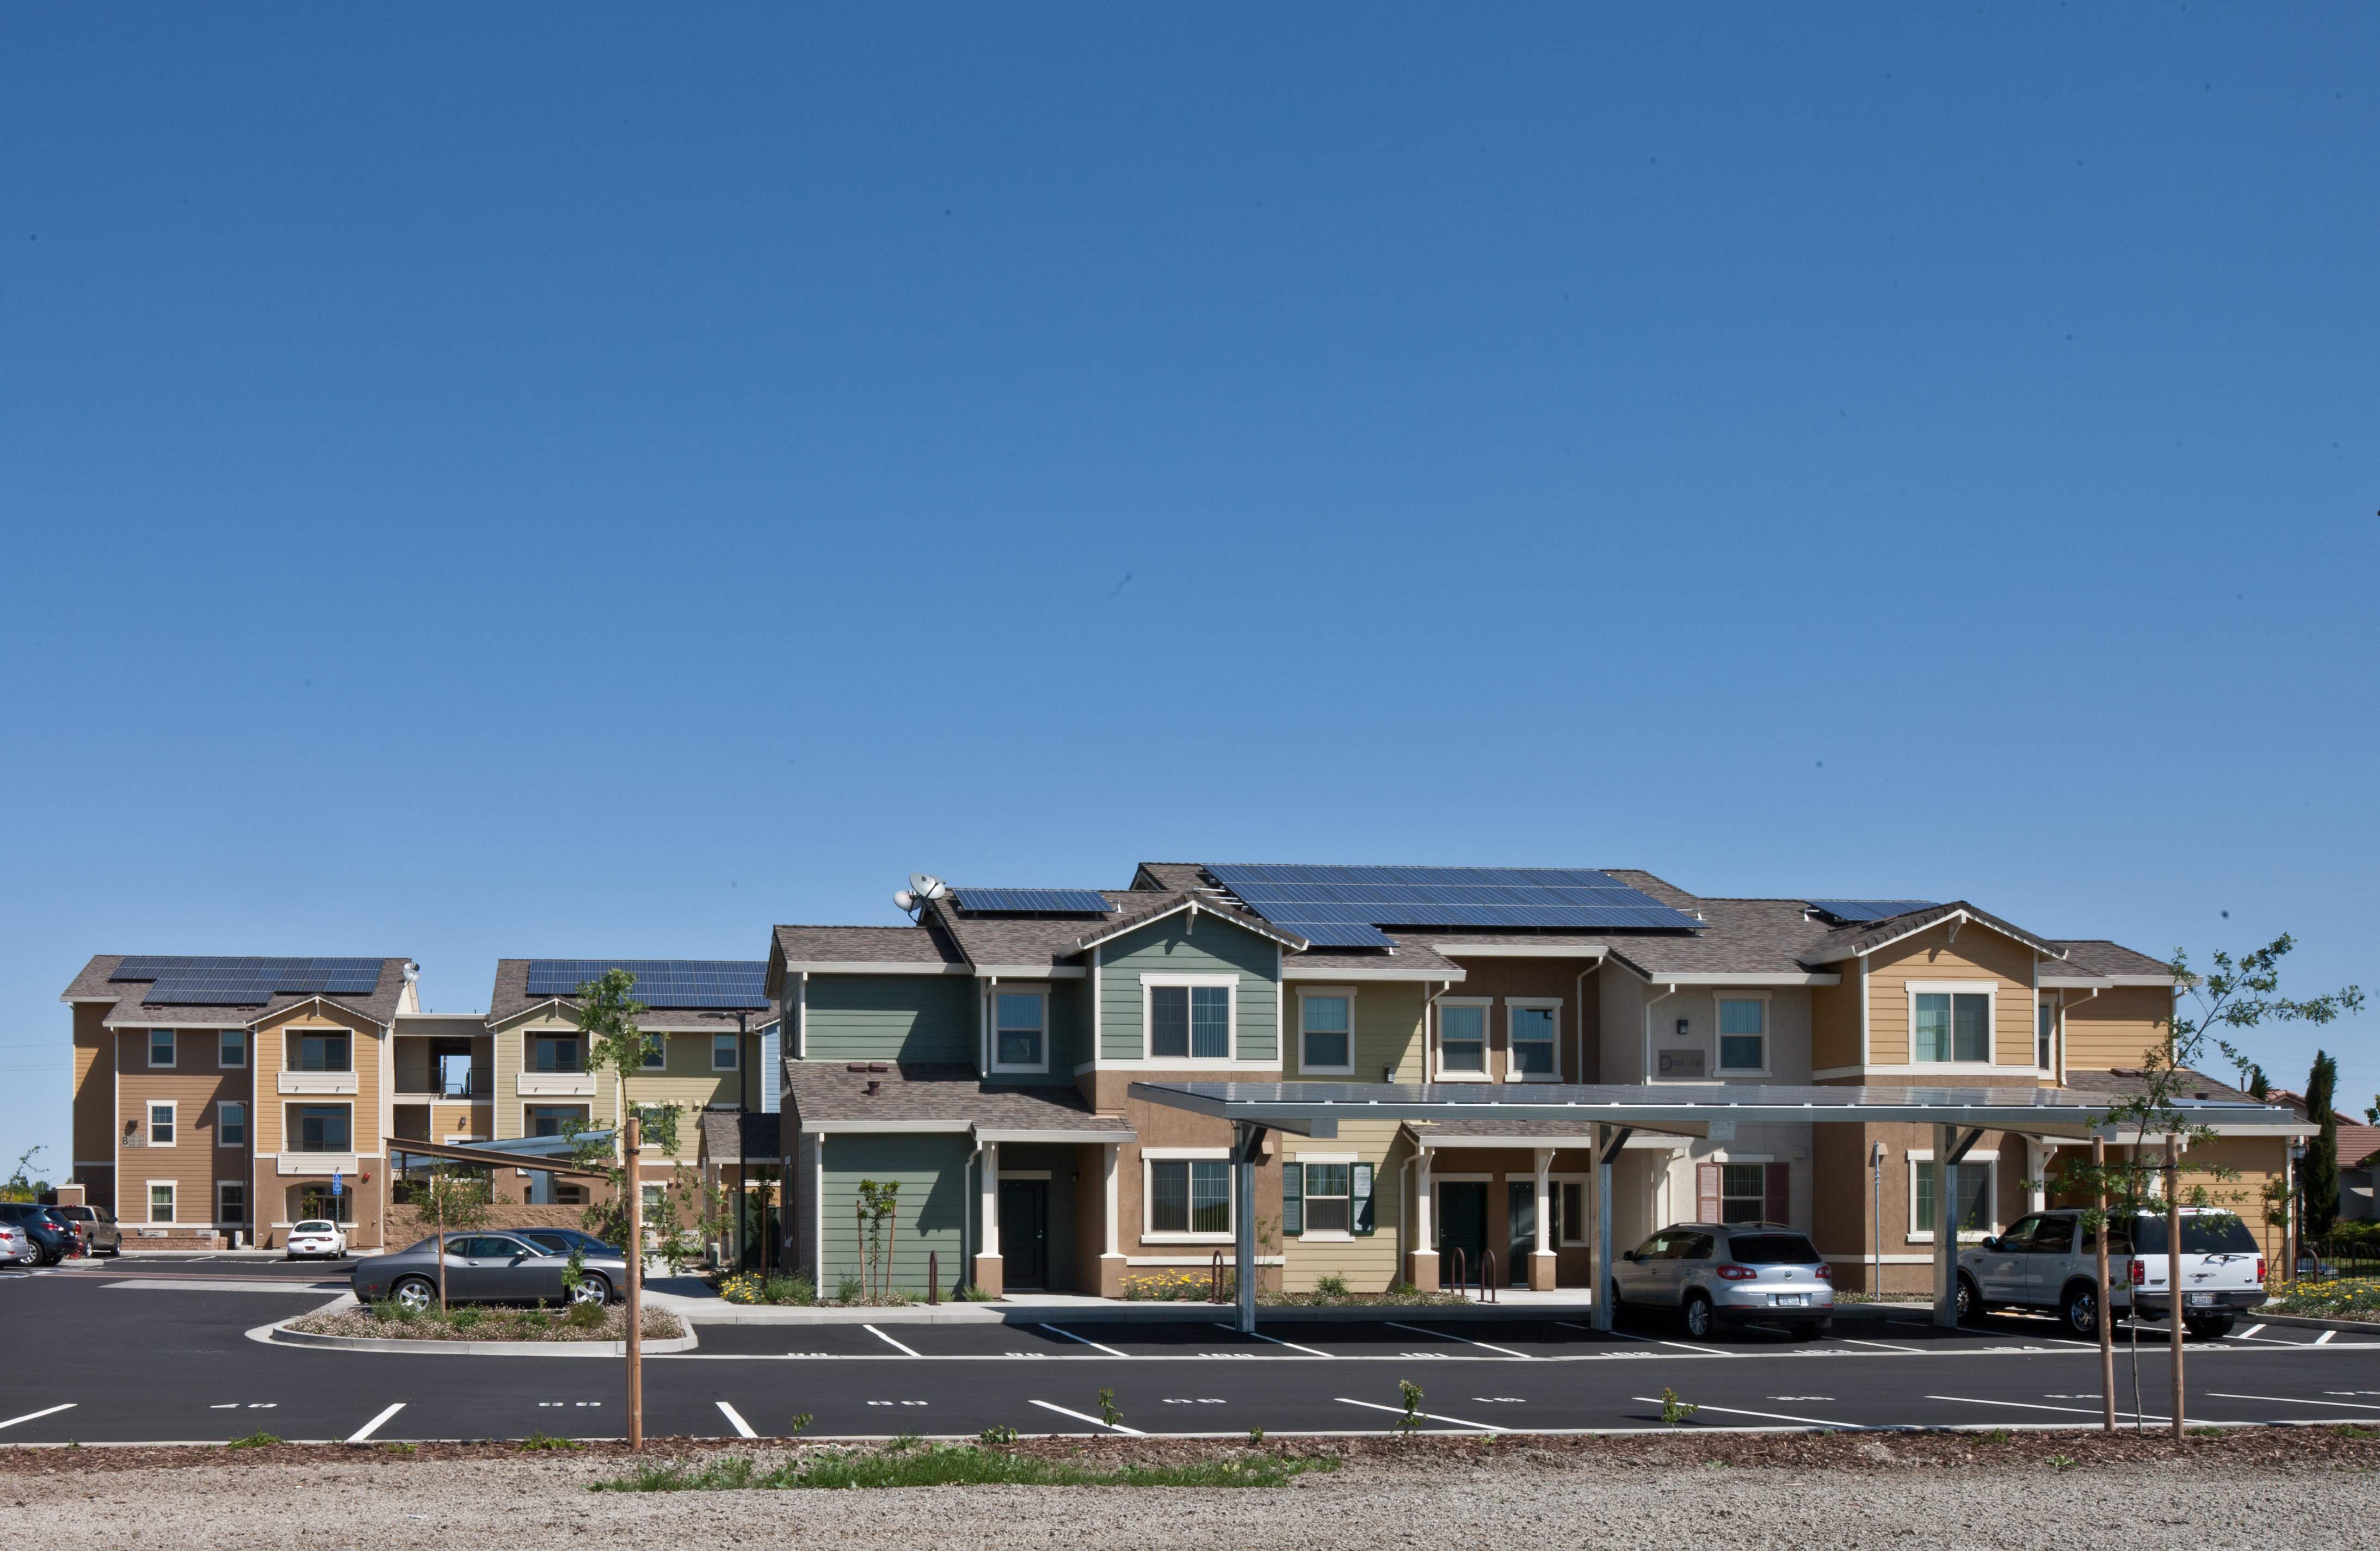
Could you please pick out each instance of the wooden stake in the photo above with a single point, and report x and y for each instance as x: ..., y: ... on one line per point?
x: 636, y: 1342
x: 2173, y: 1266
x: 2106, y: 1305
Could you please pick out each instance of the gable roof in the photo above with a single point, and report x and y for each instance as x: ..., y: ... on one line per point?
x: 936, y: 1096
x: 131, y: 1011
x: 1867, y: 936
x: 924, y: 948
x: 1161, y: 905
x: 2094, y: 962
x: 730, y: 1136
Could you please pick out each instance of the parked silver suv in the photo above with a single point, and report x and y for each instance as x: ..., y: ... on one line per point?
x: 1730, y: 1274
x: 2049, y: 1260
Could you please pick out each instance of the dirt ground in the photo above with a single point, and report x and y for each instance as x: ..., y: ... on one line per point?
x: 2307, y: 1488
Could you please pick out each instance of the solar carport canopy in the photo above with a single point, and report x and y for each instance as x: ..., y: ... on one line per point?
x: 1679, y: 1107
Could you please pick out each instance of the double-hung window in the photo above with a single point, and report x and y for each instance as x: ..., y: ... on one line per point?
x: 1190, y: 1021
x: 1326, y: 1030
x: 2045, y: 1024
x: 1462, y: 1040
x: 161, y: 1201
x: 1535, y: 1031
x: 1970, y: 1197
x: 1189, y: 1195
x: 656, y: 1053
x: 1742, y: 1035
x: 161, y: 1125
x: 1950, y: 1026
x: 1020, y: 1029
x: 161, y: 1047
x: 232, y: 1048
x: 1328, y: 1198
x: 231, y: 1125
x: 231, y: 1203
x: 724, y: 1054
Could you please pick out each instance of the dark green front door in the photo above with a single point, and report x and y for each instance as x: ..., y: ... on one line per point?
x: 1521, y: 1199
x: 1461, y: 1225
x: 1025, y: 1232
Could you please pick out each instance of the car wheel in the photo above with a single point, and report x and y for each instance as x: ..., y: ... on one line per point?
x: 592, y: 1288
x: 1699, y: 1318
x: 414, y: 1294
x: 2080, y: 1312
x: 1970, y: 1302
x: 2212, y: 1329
x: 1617, y: 1302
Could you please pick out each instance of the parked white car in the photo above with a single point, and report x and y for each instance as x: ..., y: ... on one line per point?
x: 317, y: 1238
x: 2049, y: 1261
x: 16, y: 1246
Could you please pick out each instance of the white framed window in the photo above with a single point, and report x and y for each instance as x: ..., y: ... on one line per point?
x: 1463, y: 1039
x: 161, y: 1201
x: 319, y: 1127
x: 1326, y: 1196
x: 726, y: 1052
x: 1187, y: 1194
x: 1191, y: 1017
x: 1568, y: 1194
x: 231, y: 1203
x: 655, y: 1199
x: 1326, y: 1028
x: 2045, y: 1028
x: 320, y: 1050
x: 161, y: 1125
x: 1533, y: 1031
x: 1020, y: 1028
x: 1973, y: 1190
x: 1951, y: 1022
x: 560, y: 1052
x: 547, y: 1119
x: 161, y: 1047
x: 656, y: 1053
x: 231, y: 1048
x: 1744, y: 1034
x: 231, y: 1125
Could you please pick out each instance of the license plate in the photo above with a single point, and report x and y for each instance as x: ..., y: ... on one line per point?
x: 2198, y: 1298
x: 1788, y: 1300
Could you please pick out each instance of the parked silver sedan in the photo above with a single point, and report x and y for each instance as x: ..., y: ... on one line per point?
x: 486, y: 1267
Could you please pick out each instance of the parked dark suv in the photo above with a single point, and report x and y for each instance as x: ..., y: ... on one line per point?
x: 53, y: 1235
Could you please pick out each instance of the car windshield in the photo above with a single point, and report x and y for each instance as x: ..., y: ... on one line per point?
x: 1772, y: 1249
x: 315, y: 1228
x: 2218, y: 1235
x: 80, y: 1214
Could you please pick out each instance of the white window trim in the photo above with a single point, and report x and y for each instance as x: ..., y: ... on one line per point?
x: 736, y: 1048
x: 148, y: 1203
x: 1991, y: 1195
x: 299, y: 1032
x: 240, y: 1105
x: 1487, y: 1041
x: 291, y: 1134
x: 1193, y: 1063
x: 2056, y: 1012
x: 246, y: 1040
x: 1990, y: 989
x: 1148, y: 1193
x: 1512, y: 1072
x: 173, y: 1043
x: 246, y: 1224
x: 1021, y: 988
x: 1337, y: 1234
x: 1348, y: 992
x: 653, y: 1043
x: 1554, y: 1182
x: 173, y: 1108
x: 1719, y: 1034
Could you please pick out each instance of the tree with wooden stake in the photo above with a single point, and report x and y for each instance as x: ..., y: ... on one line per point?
x: 877, y: 1200
x: 458, y: 1201
x: 2242, y: 994
x: 607, y: 1018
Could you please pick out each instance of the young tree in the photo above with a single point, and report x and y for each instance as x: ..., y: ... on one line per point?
x: 2320, y: 1198
x: 18, y: 1186
x: 457, y: 1202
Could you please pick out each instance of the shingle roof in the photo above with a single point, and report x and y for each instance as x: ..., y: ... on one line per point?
x: 509, y: 999
x: 926, y: 945
x: 129, y: 1011
x: 1054, y: 939
x: 1413, y: 956
x: 719, y: 1139
x: 2124, y: 1081
x: 931, y: 1091
x: 1850, y: 942
x: 2096, y: 955
x: 1172, y: 877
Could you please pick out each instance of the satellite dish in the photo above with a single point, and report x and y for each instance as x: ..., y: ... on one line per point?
x: 927, y: 886
x: 904, y: 899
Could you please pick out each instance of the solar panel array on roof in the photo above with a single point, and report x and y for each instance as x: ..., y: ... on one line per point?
x: 725, y: 984
x: 1031, y: 901
x: 1344, y: 907
x: 185, y: 980
x: 1852, y: 911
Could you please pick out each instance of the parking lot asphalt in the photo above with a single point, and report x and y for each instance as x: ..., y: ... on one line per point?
x: 158, y: 1350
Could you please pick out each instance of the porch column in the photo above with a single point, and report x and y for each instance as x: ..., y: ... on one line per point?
x: 2038, y: 1157
x: 1112, y: 1254
x: 1541, y: 1256
x: 1946, y: 1232
x: 986, y: 1257
x: 1421, y: 1267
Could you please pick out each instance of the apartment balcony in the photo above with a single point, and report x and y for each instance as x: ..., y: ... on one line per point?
x: 554, y: 1084
x: 323, y: 1163
x: 476, y: 1084
x: 318, y: 1082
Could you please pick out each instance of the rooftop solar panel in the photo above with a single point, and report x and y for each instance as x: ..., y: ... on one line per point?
x: 187, y: 980
x: 712, y: 983
x: 1522, y: 898
x: 1855, y: 910
x: 1032, y: 901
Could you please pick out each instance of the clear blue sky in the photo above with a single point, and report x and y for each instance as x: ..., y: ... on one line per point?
x: 592, y: 480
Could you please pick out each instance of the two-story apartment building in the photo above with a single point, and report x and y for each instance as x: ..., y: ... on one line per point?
x: 227, y: 1095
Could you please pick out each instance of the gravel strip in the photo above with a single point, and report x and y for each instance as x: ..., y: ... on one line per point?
x: 2309, y: 1490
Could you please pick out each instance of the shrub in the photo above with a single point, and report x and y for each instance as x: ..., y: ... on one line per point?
x: 1332, y: 1285
x: 585, y: 1316
x: 851, y: 1289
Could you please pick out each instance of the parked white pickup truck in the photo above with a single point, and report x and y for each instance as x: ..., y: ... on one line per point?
x: 2048, y: 1261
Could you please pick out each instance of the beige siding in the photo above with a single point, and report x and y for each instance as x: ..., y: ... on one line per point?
x: 1835, y: 1020
x: 1367, y: 1262
x: 193, y: 1162
x: 1978, y: 954
x: 2116, y: 1027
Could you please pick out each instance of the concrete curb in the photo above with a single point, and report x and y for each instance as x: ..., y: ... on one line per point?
x: 2310, y: 1322
x: 279, y: 1334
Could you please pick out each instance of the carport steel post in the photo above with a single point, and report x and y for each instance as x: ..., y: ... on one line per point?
x: 634, y: 1345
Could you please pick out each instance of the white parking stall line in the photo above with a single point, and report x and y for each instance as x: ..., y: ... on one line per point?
x: 2252, y: 1330
x: 2027, y: 1405
x: 1456, y: 1421
x: 36, y: 1416
x: 743, y: 1428
x: 364, y: 1432
x: 2326, y: 1337
x: 891, y: 1342
x: 1648, y: 1340
x: 1882, y: 1346
x: 2286, y: 1400
x: 1275, y: 1341
x: 1449, y: 1336
x: 1772, y: 1416
x: 1085, y: 1340
x: 1111, y: 1427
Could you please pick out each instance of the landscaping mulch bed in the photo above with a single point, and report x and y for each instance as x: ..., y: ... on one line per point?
x: 489, y: 1325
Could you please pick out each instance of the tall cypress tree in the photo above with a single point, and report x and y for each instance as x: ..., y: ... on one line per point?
x: 2321, y: 1158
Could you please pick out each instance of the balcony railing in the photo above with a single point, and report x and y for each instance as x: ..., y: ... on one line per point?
x: 476, y: 1084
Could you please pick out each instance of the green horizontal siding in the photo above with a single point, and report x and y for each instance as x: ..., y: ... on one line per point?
x: 1174, y: 946
x: 930, y: 1213
x: 890, y: 1017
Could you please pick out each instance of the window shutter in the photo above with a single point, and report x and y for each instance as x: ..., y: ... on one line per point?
x: 1293, y: 1198
x: 1706, y: 1202
x: 1779, y: 1208
x: 1362, y: 1202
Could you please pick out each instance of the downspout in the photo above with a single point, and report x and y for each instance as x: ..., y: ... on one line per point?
x: 966, y: 1219
x: 1656, y: 1001
x: 1867, y: 1057
x: 2061, y: 1031
x: 1578, y: 994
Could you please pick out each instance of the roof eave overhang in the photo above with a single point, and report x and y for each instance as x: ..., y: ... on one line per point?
x: 876, y: 967
x: 1963, y: 916
x: 1111, y: 1136
x: 1293, y: 970
x: 1724, y: 978
x: 1522, y: 950
x: 1255, y: 925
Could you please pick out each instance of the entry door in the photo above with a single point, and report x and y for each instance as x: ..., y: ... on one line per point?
x: 1025, y: 1232
x: 1521, y: 1212
x: 1461, y: 1225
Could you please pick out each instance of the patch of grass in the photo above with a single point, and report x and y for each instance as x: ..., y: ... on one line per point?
x: 538, y: 1440
x: 2000, y: 1435
x: 2068, y: 1461
x: 992, y: 1437
x: 402, y: 1448
x: 906, y: 1440
x: 950, y: 1465
x: 1332, y: 1285
x: 2353, y: 1431
x: 974, y: 1294
x: 258, y: 1439
x: 2205, y: 1433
